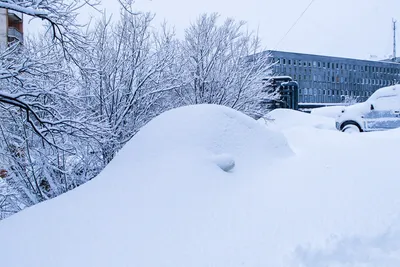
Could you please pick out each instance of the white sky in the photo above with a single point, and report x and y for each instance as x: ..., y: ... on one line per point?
x: 347, y: 28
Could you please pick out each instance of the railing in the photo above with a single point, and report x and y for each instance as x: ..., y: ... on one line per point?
x: 14, y: 33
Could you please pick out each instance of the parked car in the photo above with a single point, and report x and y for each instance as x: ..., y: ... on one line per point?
x: 381, y: 111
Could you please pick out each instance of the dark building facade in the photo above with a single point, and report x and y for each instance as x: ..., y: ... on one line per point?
x: 324, y: 79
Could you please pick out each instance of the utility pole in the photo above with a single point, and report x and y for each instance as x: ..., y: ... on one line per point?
x: 394, y: 39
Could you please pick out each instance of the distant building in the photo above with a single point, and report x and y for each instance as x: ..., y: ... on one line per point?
x: 325, y: 79
x: 11, y: 27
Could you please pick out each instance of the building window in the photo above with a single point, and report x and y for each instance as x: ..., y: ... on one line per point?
x: 283, y: 61
x: 329, y: 64
x: 289, y: 62
x: 319, y: 64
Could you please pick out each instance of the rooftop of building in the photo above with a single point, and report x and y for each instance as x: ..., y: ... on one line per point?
x: 335, y: 58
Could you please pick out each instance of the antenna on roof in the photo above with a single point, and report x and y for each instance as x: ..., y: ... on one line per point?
x: 394, y: 39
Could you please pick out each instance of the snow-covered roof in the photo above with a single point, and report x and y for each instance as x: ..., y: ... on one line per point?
x: 279, y: 78
x: 384, y: 91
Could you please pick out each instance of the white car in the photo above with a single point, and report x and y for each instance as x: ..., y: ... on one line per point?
x: 380, y: 112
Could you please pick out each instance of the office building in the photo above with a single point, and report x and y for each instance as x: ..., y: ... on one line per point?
x: 325, y: 79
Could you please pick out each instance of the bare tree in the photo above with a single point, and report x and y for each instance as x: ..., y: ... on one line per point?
x: 349, y: 100
x: 221, y: 65
x: 128, y: 76
x: 45, y: 133
x: 60, y: 15
x: 16, y: 64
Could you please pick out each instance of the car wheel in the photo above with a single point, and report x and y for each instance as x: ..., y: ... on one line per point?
x: 351, y: 128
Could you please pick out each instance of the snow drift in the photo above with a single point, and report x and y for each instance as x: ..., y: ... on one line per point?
x: 288, y: 118
x: 331, y: 112
x: 165, y: 200
x: 206, y: 131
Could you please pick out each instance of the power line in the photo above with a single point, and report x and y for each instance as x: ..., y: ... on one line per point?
x: 294, y: 24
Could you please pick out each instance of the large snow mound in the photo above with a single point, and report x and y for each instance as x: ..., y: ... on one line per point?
x: 165, y: 200
x: 162, y: 201
x: 209, y: 130
x: 288, y: 118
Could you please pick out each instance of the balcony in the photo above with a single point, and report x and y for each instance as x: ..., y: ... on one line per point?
x: 14, y: 16
x: 13, y: 33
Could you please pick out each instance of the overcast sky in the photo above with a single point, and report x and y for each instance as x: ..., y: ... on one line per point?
x: 346, y: 28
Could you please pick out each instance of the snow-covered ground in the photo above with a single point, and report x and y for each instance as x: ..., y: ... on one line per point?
x: 331, y: 112
x: 300, y: 194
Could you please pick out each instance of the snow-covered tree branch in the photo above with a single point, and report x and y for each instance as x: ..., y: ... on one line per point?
x: 60, y: 15
x: 129, y: 75
x: 219, y: 67
x: 63, y: 121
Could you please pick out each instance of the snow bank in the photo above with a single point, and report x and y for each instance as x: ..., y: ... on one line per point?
x: 165, y: 201
x: 393, y: 134
x: 353, y: 202
x: 330, y: 112
x: 288, y: 118
x: 208, y: 130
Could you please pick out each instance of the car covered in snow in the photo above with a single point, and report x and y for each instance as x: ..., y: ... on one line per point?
x: 381, y: 111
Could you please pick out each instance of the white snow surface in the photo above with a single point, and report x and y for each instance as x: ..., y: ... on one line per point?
x: 331, y: 112
x: 298, y: 196
x: 287, y: 118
